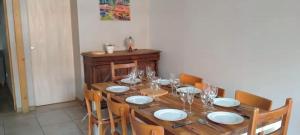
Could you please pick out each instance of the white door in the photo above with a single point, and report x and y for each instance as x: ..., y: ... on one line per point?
x: 52, y: 50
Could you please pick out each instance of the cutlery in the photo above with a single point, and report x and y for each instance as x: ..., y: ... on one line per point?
x: 245, y: 116
x: 126, y: 93
x: 181, y: 124
x: 205, y: 122
x: 242, y: 114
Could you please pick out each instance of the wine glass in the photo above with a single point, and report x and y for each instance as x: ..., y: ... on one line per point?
x: 132, y: 77
x: 190, y: 98
x: 183, y: 98
x: 141, y: 74
x: 150, y: 73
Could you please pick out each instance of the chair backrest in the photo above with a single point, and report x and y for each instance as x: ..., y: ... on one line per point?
x: 141, y: 128
x: 90, y: 97
x: 253, y: 100
x: 201, y: 86
x: 189, y: 79
x: 115, y: 67
x: 282, y: 113
x: 120, y: 110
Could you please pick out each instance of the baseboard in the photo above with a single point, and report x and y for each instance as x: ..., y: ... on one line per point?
x: 31, y: 108
x: 78, y: 99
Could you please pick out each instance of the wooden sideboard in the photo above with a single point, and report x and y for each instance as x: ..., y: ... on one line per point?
x: 97, y: 66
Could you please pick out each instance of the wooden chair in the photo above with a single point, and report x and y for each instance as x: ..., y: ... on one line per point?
x: 189, y: 79
x: 141, y: 128
x: 115, y: 67
x: 95, y: 117
x: 253, y: 100
x: 118, y: 110
x: 201, y: 86
x: 282, y: 113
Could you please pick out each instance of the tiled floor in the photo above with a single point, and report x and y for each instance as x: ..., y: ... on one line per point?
x: 57, y: 119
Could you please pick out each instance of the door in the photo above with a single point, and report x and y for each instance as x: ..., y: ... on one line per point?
x: 51, y: 50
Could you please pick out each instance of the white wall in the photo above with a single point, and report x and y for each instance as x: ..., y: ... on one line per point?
x: 251, y: 45
x: 167, y: 27
x: 93, y: 32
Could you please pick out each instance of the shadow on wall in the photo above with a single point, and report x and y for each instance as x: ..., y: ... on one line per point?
x: 2, y: 45
x: 2, y: 68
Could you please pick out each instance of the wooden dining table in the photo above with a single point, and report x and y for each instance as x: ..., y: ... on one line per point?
x: 171, y: 101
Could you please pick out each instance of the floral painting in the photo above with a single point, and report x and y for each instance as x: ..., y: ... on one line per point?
x: 115, y: 10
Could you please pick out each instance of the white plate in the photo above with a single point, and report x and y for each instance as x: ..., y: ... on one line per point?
x: 164, y: 81
x: 170, y: 114
x: 185, y: 89
x: 226, y: 102
x: 140, y: 100
x: 117, y: 89
x: 226, y: 118
x: 129, y: 81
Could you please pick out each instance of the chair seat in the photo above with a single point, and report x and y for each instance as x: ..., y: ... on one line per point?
x: 105, y: 114
x: 119, y: 129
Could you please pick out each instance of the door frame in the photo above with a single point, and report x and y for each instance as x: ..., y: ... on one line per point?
x: 9, y: 53
x: 20, y: 54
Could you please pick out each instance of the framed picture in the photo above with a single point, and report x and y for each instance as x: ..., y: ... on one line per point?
x: 114, y: 10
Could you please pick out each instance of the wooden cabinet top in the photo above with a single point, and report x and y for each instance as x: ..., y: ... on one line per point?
x: 119, y: 53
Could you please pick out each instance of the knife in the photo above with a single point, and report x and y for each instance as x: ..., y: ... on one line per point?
x: 177, y: 125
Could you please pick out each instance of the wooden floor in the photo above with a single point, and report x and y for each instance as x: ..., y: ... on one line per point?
x: 6, y: 100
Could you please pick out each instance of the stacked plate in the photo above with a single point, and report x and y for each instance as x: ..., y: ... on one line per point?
x: 226, y: 102
x: 164, y: 81
x: 226, y: 118
x: 130, y: 81
x: 117, y: 89
x: 139, y: 100
x: 188, y: 88
x: 170, y: 114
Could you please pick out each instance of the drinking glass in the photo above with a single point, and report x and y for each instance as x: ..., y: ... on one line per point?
x: 212, y: 94
x: 148, y: 68
x: 190, y: 97
x: 183, y: 98
x: 154, y: 86
x: 205, y: 100
x: 172, y: 81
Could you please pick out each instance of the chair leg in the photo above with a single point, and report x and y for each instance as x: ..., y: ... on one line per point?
x: 90, y: 126
x: 124, y: 127
x: 101, y: 129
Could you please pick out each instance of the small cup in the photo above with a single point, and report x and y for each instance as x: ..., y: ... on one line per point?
x: 110, y: 49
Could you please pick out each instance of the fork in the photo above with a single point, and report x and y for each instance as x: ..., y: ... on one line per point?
x: 205, y: 122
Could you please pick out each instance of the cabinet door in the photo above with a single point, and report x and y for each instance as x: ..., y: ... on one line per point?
x: 101, y: 73
x: 144, y: 64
